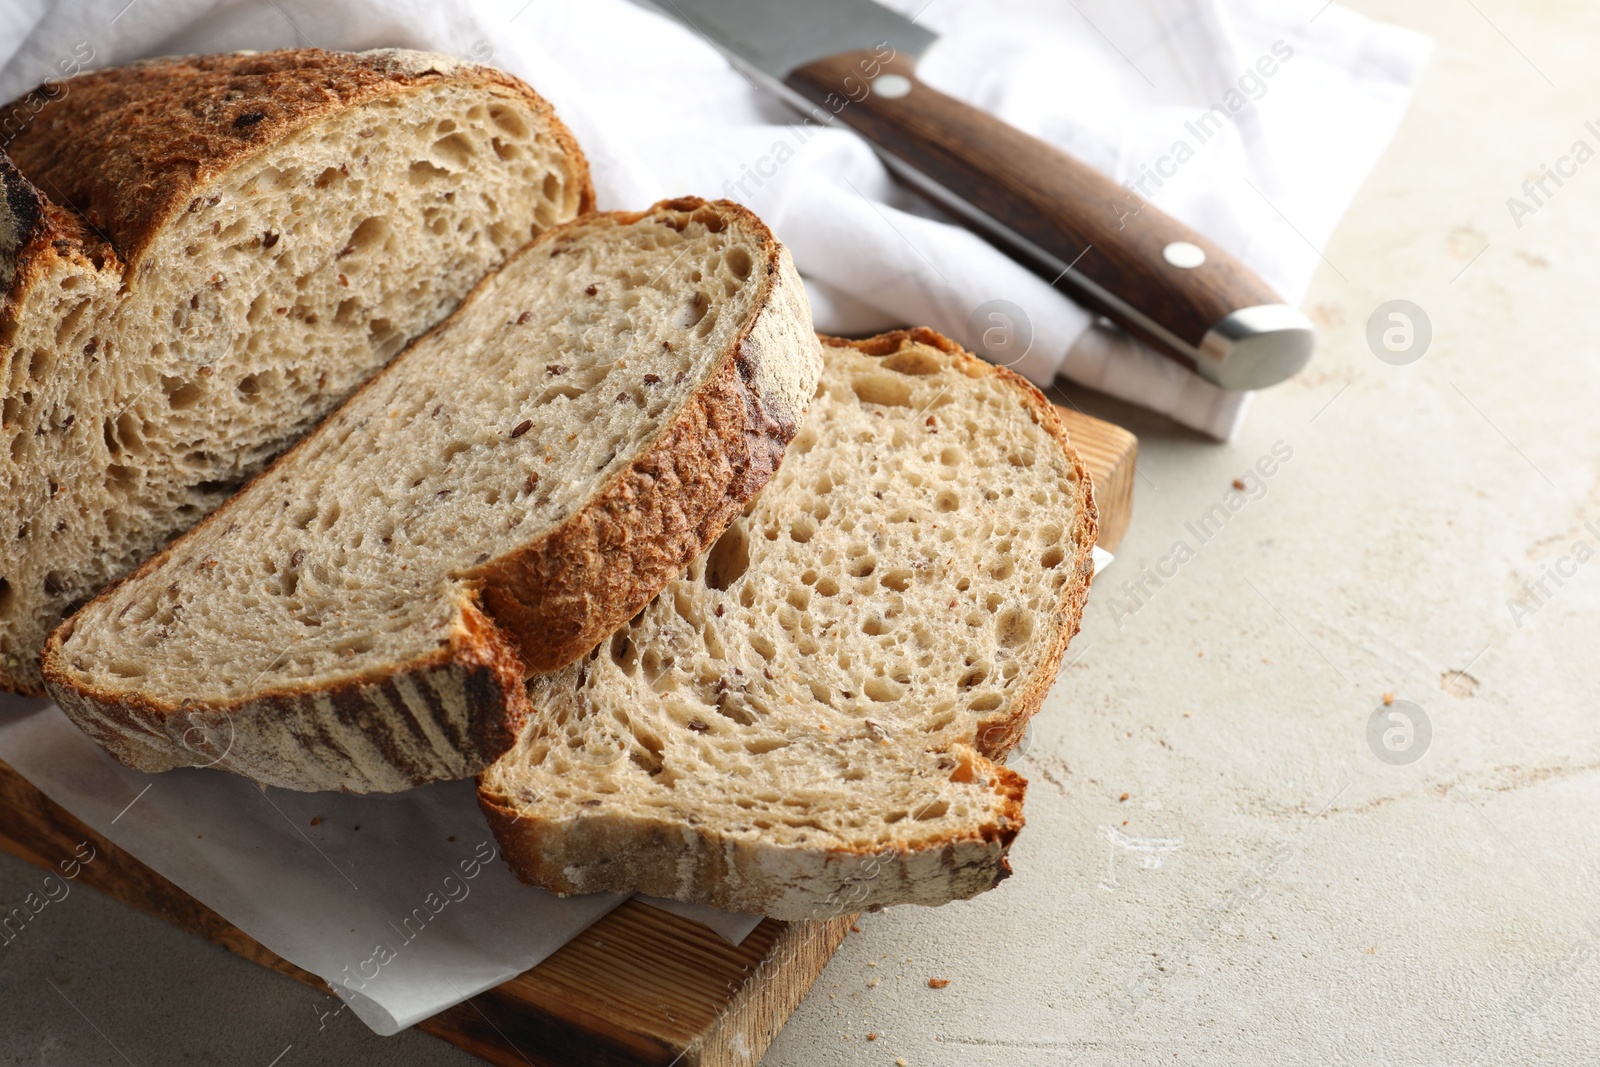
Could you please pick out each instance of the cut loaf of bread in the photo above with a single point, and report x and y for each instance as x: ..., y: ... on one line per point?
x: 804, y: 724
x: 201, y: 257
x: 512, y: 488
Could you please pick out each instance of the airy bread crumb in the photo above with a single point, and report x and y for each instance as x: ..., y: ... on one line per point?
x: 260, y: 234
x: 516, y: 485
x: 908, y: 581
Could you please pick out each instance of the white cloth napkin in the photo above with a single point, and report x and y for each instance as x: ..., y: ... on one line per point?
x: 1119, y: 85
x: 401, y: 903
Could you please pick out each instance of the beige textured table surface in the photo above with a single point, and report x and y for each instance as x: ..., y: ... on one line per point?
x: 1269, y: 890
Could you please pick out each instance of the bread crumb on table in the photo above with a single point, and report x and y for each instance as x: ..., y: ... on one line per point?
x: 938, y: 983
x: 1388, y: 698
x: 872, y: 1037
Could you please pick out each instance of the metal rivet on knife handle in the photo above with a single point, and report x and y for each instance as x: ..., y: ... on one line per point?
x: 1113, y: 252
x: 854, y: 62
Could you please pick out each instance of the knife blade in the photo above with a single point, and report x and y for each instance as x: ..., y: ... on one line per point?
x: 853, y: 62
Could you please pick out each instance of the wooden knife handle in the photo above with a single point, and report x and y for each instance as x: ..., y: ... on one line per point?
x: 1113, y: 252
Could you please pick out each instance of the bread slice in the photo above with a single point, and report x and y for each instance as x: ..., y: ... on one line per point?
x: 201, y: 257
x: 804, y: 723
x: 503, y: 496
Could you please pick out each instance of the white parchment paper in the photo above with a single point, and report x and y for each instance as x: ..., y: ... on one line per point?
x: 400, y: 902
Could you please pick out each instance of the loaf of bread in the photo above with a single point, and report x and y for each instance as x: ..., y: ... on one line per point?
x: 807, y: 722
x: 511, y: 489
x: 201, y: 257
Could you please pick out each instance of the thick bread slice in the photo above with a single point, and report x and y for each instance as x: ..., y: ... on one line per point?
x: 201, y: 257
x: 803, y: 724
x: 511, y: 489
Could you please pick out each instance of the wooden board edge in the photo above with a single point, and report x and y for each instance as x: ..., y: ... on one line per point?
x: 764, y: 1003
x: 1111, y: 455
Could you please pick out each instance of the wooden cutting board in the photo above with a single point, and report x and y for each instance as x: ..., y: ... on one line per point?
x: 639, y: 988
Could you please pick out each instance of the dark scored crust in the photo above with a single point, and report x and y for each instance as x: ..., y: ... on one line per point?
x: 34, y: 231
x: 22, y: 223
x: 366, y: 730
x: 126, y: 147
x: 685, y: 488
x: 599, y: 853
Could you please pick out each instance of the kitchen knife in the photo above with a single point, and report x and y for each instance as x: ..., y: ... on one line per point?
x: 854, y: 62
